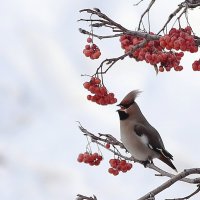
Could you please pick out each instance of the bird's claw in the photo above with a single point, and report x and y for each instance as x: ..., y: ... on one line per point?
x: 146, y: 162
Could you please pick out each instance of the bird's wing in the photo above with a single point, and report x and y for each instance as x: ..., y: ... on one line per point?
x: 154, y: 140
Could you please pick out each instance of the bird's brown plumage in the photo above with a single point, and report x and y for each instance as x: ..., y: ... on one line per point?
x: 140, y: 138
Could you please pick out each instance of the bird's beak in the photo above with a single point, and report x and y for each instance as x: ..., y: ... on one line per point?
x: 122, y: 108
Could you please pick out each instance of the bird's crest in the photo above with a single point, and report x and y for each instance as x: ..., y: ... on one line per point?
x: 129, y: 98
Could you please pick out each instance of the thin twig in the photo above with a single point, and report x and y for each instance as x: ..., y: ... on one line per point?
x: 105, y: 17
x: 167, y: 174
x: 111, y: 61
x: 146, y: 11
x: 99, y: 36
x: 82, y: 197
x: 136, y: 4
x: 104, y: 138
x: 193, y: 5
x: 171, y: 17
x: 189, y: 196
x: 170, y: 182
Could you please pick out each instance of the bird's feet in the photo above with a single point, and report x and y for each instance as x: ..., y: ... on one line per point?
x: 146, y: 162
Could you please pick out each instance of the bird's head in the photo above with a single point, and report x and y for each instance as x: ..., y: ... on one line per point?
x: 126, y: 104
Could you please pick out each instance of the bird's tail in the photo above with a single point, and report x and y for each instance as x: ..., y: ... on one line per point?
x: 168, y: 162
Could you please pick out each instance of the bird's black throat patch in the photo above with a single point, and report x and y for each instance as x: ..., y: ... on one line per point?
x: 122, y: 115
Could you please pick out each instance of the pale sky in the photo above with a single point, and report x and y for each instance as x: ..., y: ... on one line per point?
x: 41, y: 98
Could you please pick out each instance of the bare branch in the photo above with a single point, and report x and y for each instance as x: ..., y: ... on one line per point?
x: 170, y: 182
x: 112, y: 61
x: 189, y: 196
x: 138, y: 3
x: 193, y: 3
x: 113, y: 141
x: 82, y: 197
x: 105, y: 17
x: 99, y: 36
x: 146, y: 11
x: 171, y: 16
x: 167, y: 174
x: 107, y: 138
x: 101, y: 139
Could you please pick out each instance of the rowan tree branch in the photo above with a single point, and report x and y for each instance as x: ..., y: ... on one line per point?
x: 100, y: 37
x: 101, y: 139
x: 111, y: 61
x: 170, y: 182
x: 171, y: 16
x: 104, y: 20
x: 82, y: 197
x: 189, y: 196
x: 145, y: 12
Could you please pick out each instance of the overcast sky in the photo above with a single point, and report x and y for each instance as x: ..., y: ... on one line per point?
x: 41, y: 98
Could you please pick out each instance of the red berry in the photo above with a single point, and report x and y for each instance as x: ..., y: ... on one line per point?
x: 100, y: 158
x: 113, y: 163
x: 107, y: 145
x: 87, y: 52
x: 111, y: 170
x: 103, y: 90
x: 95, y: 155
x: 97, y: 162
x: 86, y: 85
x: 129, y: 166
x: 168, y: 68
x: 80, y: 157
x: 115, y: 172
x: 97, y: 81
x: 87, y: 47
x: 96, y: 55
x: 123, y: 163
x: 161, y: 69
x: 89, y: 40
x: 91, y: 163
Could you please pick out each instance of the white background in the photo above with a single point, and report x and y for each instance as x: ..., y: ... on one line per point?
x: 41, y: 98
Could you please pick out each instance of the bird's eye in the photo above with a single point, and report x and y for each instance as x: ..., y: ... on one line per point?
x: 123, y: 107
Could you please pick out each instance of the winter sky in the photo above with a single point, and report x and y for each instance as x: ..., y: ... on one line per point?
x: 41, y: 98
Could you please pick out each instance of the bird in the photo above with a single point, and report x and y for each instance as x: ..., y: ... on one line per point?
x: 139, y: 137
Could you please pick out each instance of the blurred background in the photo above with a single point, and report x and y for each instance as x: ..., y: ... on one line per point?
x: 41, y: 98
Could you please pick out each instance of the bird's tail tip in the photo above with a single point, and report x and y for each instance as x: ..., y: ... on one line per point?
x: 168, y: 162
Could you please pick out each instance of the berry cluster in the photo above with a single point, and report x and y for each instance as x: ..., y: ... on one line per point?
x: 196, y: 65
x: 118, y: 165
x: 89, y: 158
x: 179, y: 39
x: 171, y: 60
x: 91, y: 50
x: 101, y: 95
x: 152, y: 53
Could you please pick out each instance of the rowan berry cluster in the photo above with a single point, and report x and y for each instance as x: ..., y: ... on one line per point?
x: 101, y: 95
x: 171, y: 60
x: 93, y: 159
x: 196, y: 65
x: 118, y: 165
x: 179, y: 39
x: 91, y: 50
x: 152, y: 53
